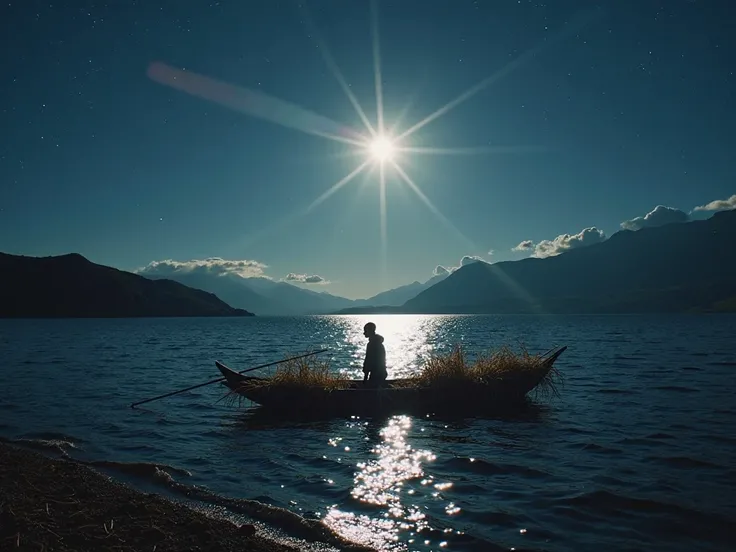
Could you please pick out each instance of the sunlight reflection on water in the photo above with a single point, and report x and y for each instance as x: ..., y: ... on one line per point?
x: 381, y: 482
x: 409, y: 340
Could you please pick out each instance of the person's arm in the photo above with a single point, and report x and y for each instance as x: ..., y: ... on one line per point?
x: 365, y: 362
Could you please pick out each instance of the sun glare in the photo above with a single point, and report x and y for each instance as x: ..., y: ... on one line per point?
x: 382, y: 149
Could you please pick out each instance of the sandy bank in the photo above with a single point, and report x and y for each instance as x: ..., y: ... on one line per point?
x: 57, y: 505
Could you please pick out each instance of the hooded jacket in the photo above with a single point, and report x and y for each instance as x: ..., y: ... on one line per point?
x: 375, y: 355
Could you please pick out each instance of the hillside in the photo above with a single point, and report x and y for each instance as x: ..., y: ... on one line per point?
x: 392, y: 299
x: 680, y: 267
x: 70, y: 286
x: 259, y: 295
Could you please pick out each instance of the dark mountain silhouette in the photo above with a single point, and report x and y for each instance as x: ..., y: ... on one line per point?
x: 70, y: 286
x: 260, y: 295
x: 683, y: 267
x: 228, y: 287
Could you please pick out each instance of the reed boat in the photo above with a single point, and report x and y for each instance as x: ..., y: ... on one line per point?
x: 354, y: 397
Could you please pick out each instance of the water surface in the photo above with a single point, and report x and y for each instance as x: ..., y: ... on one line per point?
x: 638, y: 453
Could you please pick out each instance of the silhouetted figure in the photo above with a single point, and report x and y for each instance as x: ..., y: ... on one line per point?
x: 374, y: 364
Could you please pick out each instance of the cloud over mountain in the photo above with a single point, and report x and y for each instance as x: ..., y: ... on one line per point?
x: 526, y: 245
x: 440, y: 270
x: 718, y: 205
x: 562, y: 243
x: 470, y: 259
x: 213, y: 266
x: 565, y: 242
x: 659, y: 216
x: 305, y: 278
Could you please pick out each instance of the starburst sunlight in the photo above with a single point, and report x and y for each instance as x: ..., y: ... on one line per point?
x: 382, y: 148
x: 373, y: 144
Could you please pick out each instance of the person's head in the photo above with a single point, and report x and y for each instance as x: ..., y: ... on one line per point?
x: 369, y: 329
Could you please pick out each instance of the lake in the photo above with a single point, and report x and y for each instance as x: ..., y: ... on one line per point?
x: 638, y: 452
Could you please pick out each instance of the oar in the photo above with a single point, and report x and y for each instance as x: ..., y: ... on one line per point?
x: 222, y: 379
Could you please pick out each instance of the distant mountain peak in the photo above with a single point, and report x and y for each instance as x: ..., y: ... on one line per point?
x: 75, y: 257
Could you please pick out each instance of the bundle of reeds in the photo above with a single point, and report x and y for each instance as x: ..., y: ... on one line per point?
x: 301, y: 373
x: 307, y: 372
x: 456, y: 369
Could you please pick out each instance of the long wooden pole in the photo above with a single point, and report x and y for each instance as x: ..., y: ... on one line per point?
x: 223, y: 379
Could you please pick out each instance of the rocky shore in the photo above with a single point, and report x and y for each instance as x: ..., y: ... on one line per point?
x: 59, y: 505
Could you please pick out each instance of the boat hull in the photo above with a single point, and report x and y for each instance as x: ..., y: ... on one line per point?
x: 394, y: 397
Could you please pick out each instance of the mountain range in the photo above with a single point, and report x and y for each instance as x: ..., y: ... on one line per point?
x: 679, y: 267
x: 264, y: 296
x: 70, y: 286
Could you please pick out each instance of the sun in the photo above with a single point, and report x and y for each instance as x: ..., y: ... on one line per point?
x: 382, y: 148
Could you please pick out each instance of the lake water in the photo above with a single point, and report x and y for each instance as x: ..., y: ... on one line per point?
x: 638, y: 453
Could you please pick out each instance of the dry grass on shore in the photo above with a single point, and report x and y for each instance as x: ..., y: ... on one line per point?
x: 57, y: 505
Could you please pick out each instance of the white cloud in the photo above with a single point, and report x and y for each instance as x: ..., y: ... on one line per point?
x: 659, y: 216
x: 214, y: 265
x: 491, y: 252
x: 526, y: 245
x: 440, y: 270
x: 470, y: 259
x: 305, y: 278
x: 566, y: 242
x: 718, y: 205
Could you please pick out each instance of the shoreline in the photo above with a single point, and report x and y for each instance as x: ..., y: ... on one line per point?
x: 62, y: 505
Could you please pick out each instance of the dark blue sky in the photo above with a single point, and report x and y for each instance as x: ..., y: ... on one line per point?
x: 631, y: 109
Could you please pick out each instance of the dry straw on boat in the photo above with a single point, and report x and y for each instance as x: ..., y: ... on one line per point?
x: 308, y: 373
x: 456, y: 369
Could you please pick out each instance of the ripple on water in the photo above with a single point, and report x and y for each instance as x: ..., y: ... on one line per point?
x: 485, y: 467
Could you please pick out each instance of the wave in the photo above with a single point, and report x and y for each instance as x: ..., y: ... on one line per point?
x: 484, y: 467
x: 660, y: 436
x: 676, y: 388
x: 493, y: 518
x: 139, y: 469
x: 683, y: 462
x: 671, y: 518
x: 61, y: 444
x: 595, y: 447
x: 54, y: 442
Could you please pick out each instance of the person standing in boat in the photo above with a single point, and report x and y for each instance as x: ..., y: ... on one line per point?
x: 374, y: 364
